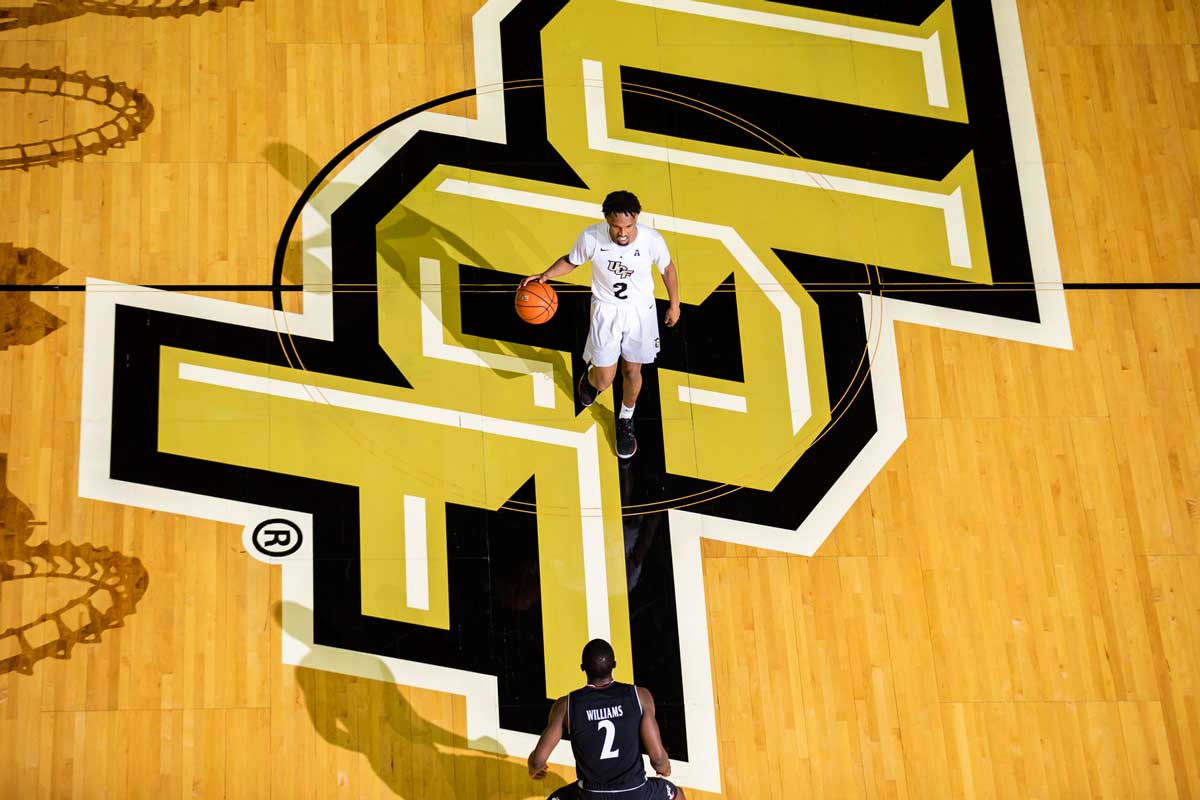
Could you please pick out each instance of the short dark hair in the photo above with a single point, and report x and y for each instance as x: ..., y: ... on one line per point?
x: 621, y: 202
x: 598, y: 659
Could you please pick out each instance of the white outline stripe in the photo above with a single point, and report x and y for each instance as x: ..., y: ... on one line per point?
x: 706, y: 397
x: 433, y: 344
x: 935, y: 71
x: 416, y: 555
x: 370, y: 404
x: 929, y: 48
x: 587, y: 454
x: 1031, y: 175
x: 953, y: 214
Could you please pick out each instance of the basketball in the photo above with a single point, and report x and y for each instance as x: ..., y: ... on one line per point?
x: 536, y: 302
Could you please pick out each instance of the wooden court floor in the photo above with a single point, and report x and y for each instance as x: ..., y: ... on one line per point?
x: 1010, y: 609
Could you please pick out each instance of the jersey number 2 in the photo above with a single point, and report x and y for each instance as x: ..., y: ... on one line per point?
x: 619, y: 290
x: 610, y: 732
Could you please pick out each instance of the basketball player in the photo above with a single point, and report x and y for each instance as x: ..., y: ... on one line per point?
x: 624, y: 325
x: 607, y: 723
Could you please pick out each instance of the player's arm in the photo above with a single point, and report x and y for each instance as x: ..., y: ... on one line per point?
x: 540, y: 757
x: 585, y: 246
x: 670, y: 278
x: 560, y: 267
x: 651, y: 740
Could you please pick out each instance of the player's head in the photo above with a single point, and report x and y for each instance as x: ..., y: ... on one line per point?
x: 598, y: 660
x: 621, y: 209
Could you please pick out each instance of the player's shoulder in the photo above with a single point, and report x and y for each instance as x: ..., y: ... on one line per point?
x: 594, y: 230
x: 654, y: 241
x: 643, y: 695
x: 585, y: 245
x: 651, y: 233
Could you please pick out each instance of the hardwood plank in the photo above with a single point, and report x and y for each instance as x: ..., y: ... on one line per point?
x: 1010, y: 610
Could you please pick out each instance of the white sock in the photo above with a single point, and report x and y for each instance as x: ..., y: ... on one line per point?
x: 626, y: 411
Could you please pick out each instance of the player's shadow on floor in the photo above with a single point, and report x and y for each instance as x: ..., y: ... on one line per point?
x: 416, y: 758
x: 406, y: 225
x: 45, y: 12
x: 498, y: 286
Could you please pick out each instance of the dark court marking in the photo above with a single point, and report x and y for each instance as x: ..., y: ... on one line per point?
x: 831, y: 286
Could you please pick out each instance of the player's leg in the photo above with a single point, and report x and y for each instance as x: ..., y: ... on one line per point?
x: 639, y: 345
x: 602, y: 377
x: 594, y: 381
x: 631, y: 384
x: 602, y: 351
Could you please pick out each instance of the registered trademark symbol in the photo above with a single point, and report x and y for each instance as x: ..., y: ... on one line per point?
x: 277, y: 538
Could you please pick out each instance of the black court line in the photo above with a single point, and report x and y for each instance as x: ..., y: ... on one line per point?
x: 1184, y: 286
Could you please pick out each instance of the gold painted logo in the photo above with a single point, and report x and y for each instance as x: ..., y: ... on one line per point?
x: 817, y: 177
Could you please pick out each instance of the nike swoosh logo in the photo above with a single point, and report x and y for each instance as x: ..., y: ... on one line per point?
x: 605, y: 249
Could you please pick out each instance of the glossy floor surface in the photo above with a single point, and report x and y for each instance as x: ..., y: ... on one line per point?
x: 294, y: 505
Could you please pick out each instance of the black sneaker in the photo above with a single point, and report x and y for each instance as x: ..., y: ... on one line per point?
x: 587, y: 392
x: 626, y: 441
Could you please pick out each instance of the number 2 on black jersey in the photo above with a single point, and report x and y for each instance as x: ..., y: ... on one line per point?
x: 610, y: 732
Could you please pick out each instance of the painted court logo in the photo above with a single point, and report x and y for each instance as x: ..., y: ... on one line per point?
x: 417, y: 463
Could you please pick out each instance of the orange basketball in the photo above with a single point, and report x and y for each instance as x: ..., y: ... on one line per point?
x: 536, y: 302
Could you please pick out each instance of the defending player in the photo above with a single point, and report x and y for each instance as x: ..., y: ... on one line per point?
x: 607, y: 723
x: 624, y: 325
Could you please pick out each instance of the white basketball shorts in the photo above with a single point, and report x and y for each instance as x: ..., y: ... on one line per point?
x: 627, y: 330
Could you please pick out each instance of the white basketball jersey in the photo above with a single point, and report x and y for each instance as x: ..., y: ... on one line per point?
x: 621, y: 274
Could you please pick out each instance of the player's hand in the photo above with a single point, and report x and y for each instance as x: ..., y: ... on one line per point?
x: 672, y: 315
x: 664, y: 769
x: 541, y: 773
x: 532, y: 279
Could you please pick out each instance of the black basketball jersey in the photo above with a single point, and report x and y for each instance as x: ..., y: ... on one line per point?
x: 605, y: 729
